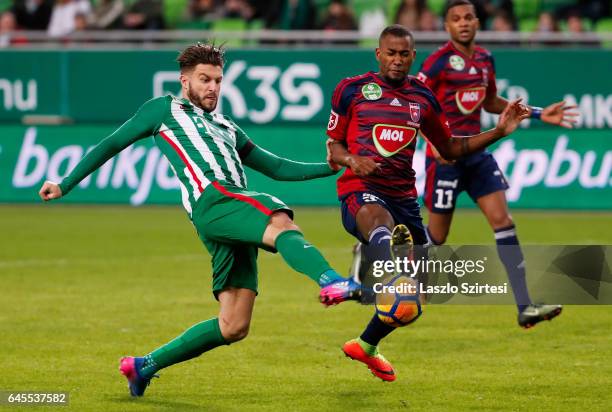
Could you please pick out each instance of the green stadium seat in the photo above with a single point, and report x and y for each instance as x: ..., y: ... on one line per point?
x: 194, y: 25
x: 604, y: 25
x: 552, y: 5
x: 437, y: 6
x: 526, y: 8
x: 230, y: 25
x: 359, y: 6
x: 174, y: 12
x: 5, y: 5
x: 528, y: 25
x: 392, y: 8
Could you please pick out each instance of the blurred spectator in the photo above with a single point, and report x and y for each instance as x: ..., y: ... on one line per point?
x: 429, y: 21
x: 591, y: 9
x: 33, y: 14
x: 8, y: 28
x: 291, y: 15
x: 63, y: 16
x: 372, y: 22
x: 574, y: 23
x: 338, y: 17
x: 80, y: 22
x: 409, y: 13
x: 238, y: 9
x: 481, y: 11
x: 502, y: 22
x: 144, y: 15
x: 204, y: 10
x: 547, y: 23
x: 106, y: 14
x: 491, y: 7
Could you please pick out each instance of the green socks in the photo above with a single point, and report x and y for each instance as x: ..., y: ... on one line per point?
x: 196, y: 340
x: 305, y: 258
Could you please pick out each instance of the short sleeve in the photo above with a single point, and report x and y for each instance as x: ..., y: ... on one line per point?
x: 431, y: 70
x: 339, y: 116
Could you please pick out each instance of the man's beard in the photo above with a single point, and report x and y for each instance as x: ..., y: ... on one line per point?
x: 195, y: 99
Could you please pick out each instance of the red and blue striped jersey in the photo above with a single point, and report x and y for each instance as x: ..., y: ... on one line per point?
x: 379, y: 120
x: 461, y: 84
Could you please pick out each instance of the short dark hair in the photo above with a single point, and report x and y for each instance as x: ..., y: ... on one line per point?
x: 396, y: 30
x: 201, y: 53
x: 454, y: 3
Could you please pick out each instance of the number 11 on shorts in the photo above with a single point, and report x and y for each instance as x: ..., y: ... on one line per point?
x: 440, y: 195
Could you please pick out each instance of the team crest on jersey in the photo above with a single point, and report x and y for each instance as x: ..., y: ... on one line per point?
x: 415, y: 112
x: 371, y: 91
x: 457, y: 62
x: 470, y: 99
x: 333, y: 120
x: 390, y: 139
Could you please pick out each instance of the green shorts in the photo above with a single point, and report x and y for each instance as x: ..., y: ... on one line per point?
x: 231, y: 222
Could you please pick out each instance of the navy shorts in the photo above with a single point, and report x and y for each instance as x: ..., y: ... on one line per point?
x: 404, y: 211
x: 478, y: 175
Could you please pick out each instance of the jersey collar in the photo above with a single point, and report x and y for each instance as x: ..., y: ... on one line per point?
x: 382, y: 82
x: 459, y: 52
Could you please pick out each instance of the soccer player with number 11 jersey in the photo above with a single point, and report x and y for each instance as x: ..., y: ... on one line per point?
x: 462, y: 77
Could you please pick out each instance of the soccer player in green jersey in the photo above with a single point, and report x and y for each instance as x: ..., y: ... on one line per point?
x: 207, y: 152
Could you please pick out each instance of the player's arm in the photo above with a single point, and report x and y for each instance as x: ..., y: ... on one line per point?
x: 558, y: 113
x: 279, y: 168
x: 339, y: 154
x: 141, y: 125
x: 453, y: 147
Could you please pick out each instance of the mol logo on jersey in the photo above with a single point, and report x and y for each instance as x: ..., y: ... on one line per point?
x: 390, y: 139
x: 468, y: 100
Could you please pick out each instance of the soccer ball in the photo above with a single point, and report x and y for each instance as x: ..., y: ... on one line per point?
x: 396, y: 305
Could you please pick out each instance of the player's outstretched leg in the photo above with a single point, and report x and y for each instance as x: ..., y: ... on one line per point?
x: 193, y: 342
x: 365, y: 348
x: 304, y: 257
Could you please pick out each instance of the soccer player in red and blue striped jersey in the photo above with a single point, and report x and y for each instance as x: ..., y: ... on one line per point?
x: 373, y: 125
x: 462, y: 76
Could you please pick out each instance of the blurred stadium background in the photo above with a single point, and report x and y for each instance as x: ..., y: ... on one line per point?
x: 73, y: 70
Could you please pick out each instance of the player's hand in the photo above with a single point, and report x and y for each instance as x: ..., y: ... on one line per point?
x: 332, y: 165
x: 361, y: 165
x: 559, y: 114
x: 50, y: 191
x: 514, y: 113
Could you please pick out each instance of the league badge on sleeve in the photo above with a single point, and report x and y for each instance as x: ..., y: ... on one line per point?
x: 333, y: 120
x: 371, y: 91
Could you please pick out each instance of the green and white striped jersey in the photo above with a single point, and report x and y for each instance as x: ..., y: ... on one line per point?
x: 201, y: 147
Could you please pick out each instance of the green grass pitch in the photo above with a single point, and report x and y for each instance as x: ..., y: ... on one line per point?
x: 82, y: 286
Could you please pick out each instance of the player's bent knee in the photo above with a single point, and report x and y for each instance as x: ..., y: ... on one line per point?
x: 438, y: 238
x: 233, y: 331
x: 500, y: 221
